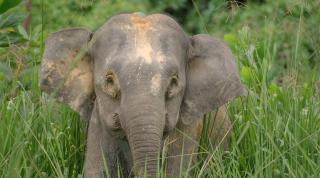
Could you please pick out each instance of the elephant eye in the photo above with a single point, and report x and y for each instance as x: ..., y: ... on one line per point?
x: 174, y: 81
x: 173, y: 87
x: 112, y: 87
x: 109, y: 79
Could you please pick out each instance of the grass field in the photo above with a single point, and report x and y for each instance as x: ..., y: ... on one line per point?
x: 276, y: 128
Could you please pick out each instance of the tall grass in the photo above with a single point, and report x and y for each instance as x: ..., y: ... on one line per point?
x: 275, y: 128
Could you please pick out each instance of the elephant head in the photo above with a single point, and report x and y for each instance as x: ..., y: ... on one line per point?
x: 142, y: 74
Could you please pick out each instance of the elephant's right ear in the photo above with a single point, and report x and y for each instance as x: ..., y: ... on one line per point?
x: 66, y: 69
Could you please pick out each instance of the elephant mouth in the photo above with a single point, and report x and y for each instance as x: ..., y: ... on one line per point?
x: 119, y: 134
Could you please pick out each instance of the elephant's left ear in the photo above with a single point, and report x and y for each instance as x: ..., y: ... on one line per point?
x: 66, y: 69
x: 212, y: 78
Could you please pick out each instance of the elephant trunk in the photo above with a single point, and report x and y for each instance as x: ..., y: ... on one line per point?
x: 144, y: 129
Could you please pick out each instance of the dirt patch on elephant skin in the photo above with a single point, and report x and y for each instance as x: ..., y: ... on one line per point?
x: 143, y: 28
x: 155, y: 84
x: 141, y: 22
x: 160, y: 57
x: 142, y: 41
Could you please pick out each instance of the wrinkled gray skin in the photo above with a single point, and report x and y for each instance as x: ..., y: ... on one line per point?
x: 140, y: 80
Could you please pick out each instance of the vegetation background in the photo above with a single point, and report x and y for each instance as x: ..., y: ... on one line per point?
x: 276, y: 44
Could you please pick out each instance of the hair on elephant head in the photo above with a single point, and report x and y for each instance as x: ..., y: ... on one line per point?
x: 137, y: 76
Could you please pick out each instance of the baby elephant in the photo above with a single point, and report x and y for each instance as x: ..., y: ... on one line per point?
x: 143, y: 84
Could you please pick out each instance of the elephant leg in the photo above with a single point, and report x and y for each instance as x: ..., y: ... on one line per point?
x: 182, y: 145
x: 101, y: 149
x: 93, y: 166
x: 184, y: 140
x: 219, y: 128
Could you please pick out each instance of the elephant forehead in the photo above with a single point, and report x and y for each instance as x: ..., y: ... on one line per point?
x: 134, y: 39
x: 144, y: 29
x: 141, y: 22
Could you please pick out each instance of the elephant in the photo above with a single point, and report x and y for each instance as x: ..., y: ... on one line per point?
x: 142, y: 84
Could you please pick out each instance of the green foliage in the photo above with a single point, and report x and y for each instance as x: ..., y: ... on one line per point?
x: 7, y: 4
x: 276, y: 45
x: 11, y: 30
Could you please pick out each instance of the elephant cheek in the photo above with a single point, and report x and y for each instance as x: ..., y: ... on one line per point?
x: 173, y: 112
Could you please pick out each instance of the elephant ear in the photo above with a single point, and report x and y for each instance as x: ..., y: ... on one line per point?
x: 212, y: 78
x: 66, y: 70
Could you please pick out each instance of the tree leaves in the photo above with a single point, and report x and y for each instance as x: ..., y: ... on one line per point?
x: 7, y: 4
x: 11, y: 30
x: 11, y: 20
